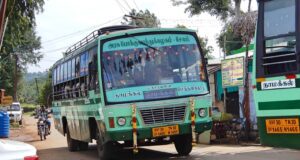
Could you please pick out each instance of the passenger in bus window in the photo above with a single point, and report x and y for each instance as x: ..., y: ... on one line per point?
x: 74, y: 89
x: 67, y: 91
x: 77, y: 66
x: 138, y: 75
x: 83, y: 87
x: 78, y: 89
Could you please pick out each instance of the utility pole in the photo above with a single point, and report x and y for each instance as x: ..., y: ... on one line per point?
x: 37, y: 88
x: 224, y: 89
x: 16, y: 79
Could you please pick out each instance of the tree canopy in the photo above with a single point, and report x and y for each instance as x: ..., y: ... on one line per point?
x: 226, y: 10
x: 207, y: 50
x: 20, y: 43
x: 141, y: 18
x: 219, y: 8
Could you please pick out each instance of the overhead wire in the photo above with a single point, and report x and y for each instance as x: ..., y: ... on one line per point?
x: 79, y: 31
x: 122, y: 7
x: 127, y: 5
x: 136, y: 5
x: 74, y: 33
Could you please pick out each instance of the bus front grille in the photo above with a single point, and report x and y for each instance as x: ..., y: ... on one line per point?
x: 163, y: 115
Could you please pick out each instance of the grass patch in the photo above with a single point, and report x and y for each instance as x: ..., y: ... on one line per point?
x: 14, y: 125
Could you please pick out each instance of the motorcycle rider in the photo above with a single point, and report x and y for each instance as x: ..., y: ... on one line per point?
x: 44, y: 113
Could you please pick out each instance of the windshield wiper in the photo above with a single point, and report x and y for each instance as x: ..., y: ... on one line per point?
x: 143, y: 43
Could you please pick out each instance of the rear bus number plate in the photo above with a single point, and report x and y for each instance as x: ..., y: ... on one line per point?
x: 165, y: 131
x: 279, y: 126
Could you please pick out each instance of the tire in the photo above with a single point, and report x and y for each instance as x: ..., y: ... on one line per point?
x: 83, y: 146
x: 104, y: 149
x: 72, y: 143
x: 183, y: 144
x: 41, y: 134
x: 41, y: 137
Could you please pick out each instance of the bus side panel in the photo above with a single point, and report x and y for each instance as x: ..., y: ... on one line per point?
x: 276, y: 140
x: 83, y: 123
x: 58, y: 124
x: 73, y: 122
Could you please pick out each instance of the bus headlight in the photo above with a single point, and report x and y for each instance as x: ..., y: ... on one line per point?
x: 202, y: 112
x: 121, y: 121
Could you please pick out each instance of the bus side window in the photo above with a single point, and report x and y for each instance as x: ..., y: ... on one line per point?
x: 65, y: 71
x: 77, y: 66
x: 73, y: 68
x: 69, y: 69
x: 92, y: 67
x: 58, y: 74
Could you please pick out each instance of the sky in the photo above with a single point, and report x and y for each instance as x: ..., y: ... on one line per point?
x: 65, y: 22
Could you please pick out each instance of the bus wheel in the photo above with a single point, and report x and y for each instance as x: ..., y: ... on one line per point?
x: 83, y: 146
x: 104, y: 149
x: 72, y: 143
x: 183, y: 144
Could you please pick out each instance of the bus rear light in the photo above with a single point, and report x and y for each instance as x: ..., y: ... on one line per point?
x: 290, y: 76
x: 260, y: 79
x: 111, y: 122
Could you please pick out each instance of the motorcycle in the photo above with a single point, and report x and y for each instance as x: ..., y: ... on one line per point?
x: 43, y: 128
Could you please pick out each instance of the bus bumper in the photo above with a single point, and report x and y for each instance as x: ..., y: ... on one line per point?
x: 144, y: 133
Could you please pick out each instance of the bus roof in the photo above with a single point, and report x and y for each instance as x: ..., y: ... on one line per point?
x: 108, y: 32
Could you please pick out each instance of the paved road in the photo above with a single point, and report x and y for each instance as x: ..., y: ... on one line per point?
x: 55, y: 148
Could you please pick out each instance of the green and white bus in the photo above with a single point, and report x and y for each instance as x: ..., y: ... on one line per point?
x: 277, y: 72
x: 135, y: 85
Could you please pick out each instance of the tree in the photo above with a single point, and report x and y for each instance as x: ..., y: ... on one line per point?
x: 244, y: 26
x: 220, y: 8
x: 233, y: 41
x: 207, y: 50
x: 46, y: 91
x: 20, y: 43
x: 141, y: 19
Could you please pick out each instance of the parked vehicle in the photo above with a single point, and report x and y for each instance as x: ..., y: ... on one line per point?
x: 14, y: 150
x: 276, y: 73
x: 15, y: 112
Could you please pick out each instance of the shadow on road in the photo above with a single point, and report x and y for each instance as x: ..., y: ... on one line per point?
x: 91, y: 154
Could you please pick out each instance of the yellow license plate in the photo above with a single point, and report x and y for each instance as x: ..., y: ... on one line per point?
x: 278, y: 126
x: 165, y: 131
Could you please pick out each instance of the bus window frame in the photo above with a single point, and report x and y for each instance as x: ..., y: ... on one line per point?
x: 261, y: 39
x: 69, y: 73
x: 103, y: 41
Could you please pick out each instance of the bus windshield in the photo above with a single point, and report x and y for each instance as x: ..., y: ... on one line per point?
x: 152, y: 67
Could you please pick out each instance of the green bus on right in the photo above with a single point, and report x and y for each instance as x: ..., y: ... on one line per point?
x: 276, y: 73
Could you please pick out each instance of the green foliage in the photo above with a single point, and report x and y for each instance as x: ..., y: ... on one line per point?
x: 207, y: 50
x: 28, y: 91
x: 233, y: 41
x: 222, y: 9
x: 28, y: 108
x: 20, y: 44
x: 46, y: 90
x: 6, y: 76
x: 219, y: 8
x: 141, y: 19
